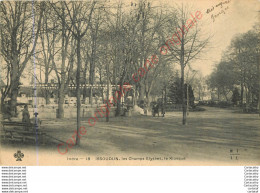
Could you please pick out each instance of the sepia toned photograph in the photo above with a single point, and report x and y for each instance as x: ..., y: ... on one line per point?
x: 130, y: 82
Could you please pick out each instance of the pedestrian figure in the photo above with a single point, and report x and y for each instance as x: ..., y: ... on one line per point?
x: 26, y: 118
x: 145, y: 109
x: 155, y: 109
x: 163, y: 110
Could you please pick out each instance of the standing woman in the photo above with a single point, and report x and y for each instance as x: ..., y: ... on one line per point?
x: 26, y: 117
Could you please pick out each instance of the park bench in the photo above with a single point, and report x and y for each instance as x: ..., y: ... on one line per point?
x: 19, y: 130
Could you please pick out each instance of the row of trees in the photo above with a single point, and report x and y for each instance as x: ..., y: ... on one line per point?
x: 237, y: 77
x: 79, y: 41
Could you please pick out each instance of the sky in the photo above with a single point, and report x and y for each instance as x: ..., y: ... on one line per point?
x: 239, y: 17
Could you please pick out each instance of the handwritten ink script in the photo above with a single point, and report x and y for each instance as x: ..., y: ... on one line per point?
x: 218, y: 9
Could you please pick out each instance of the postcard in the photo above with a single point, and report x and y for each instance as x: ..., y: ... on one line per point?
x: 140, y: 82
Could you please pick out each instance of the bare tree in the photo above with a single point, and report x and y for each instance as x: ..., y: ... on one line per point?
x: 95, y: 26
x: 149, y: 21
x: 186, y: 44
x: 48, y: 36
x: 78, y: 23
x: 16, y: 41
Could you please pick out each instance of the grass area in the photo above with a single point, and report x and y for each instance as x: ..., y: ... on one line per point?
x: 209, y: 136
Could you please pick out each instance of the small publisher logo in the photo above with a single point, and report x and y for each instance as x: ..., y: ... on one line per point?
x: 19, y: 155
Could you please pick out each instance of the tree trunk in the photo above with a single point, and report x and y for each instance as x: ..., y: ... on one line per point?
x: 187, y: 103
x: 118, y: 104
x: 14, y: 95
x: 91, y: 95
x: 183, y: 96
x: 147, y: 95
x: 118, y: 107
x: 92, y: 68
x: 47, y: 97
x: 258, y: 69
x: 61, y: 102
x: 46, y: 92
x: 134, y: 96
x: 61, y: 93
x: 85, y: 82
x: 14, y: 88
x: 141, y: 92
x: 182, y: 82
x: 218, y: 94
x: 107, y: 70
x: 242, y: 95
x: 61, y: 97
x: 259, y: 101
x: 2, y: 101
x: 258, y: 87
x: 247, y: 99
x: 78, y: 88
x: 15, y: 78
